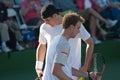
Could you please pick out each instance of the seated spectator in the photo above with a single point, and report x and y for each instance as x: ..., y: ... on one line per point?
x: 4, y: 29
x: 45, y: 2
x: 107, y: 9
x: 116, y: 2
x: 17, y: 2
x: 89, y: 7
x: 30, y: 9
x: 4, y: 36
x: 13, y: 26
x: 65, y: 5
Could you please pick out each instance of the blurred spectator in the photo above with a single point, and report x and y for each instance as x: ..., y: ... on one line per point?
x: 45, y: 2
x: 17, y: 2
x: 108, y: 10
x: 91, y: 7
x: 65, y: 5
x: 13, y: 26
x: 4, y: 29
x: 116, y: 2
x: 30, y: 9
x: 4, y: 36
x: 87, y: 8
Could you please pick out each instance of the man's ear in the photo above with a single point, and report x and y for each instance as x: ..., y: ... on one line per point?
x: 54, y: 15
x: 72, y: 26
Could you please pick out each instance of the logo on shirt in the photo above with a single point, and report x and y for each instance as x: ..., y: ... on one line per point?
x: 65, y: 53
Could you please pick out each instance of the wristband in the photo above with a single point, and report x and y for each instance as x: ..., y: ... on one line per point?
x: 39, y: 65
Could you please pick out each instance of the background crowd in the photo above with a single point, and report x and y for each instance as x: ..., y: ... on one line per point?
x: 20, y: 20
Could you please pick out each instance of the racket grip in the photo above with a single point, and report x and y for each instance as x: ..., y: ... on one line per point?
x: 89, y: 75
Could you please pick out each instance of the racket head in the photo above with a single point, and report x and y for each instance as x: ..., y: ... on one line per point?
x: 37, y: 78
x: 97, y: 65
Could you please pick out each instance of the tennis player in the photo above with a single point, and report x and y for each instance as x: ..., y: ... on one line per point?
x: 61, y: 48
x: 51, y: 28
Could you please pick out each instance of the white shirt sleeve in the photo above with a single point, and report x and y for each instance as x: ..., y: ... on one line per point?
x: 42, y: 38
x: 84, y: 34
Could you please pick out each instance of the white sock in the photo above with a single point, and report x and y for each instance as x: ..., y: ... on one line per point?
x: 4, y: 44
x: 17, y: 43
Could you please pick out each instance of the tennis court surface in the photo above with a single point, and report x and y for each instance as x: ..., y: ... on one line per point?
x: 20, y: 66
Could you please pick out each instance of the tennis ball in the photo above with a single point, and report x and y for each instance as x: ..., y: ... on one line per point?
x: 81, y: 78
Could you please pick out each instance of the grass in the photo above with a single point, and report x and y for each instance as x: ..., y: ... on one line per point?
x: 20, y: 66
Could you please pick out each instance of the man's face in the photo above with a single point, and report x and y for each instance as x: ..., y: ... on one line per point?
x: 50, y: 20
x: 76, y: 29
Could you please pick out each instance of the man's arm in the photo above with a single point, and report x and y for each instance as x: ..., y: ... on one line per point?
x: 89, y: 51
x: 79, y: 73
x: 58, y: 72
x: 40, y: 55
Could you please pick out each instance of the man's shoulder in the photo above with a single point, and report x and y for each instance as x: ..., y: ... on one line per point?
x: 56, y: 39
x: 44, y: 25
x: 62, y: 42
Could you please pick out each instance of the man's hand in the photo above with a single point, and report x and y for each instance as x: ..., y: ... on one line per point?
x: 95, y: 76
x: 39, y: 73
x: 83, y: 68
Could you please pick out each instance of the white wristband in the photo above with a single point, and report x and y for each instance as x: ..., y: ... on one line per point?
x: 39, y: 65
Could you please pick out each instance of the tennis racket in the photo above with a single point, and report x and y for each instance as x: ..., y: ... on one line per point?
x: 97, y: 66
x: 39, y: 78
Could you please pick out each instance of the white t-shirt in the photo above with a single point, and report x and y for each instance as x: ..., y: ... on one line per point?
x: 59, y: 52
x: 47, y: 33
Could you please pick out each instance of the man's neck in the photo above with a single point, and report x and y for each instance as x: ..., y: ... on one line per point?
x: 66, y: 34
x: 58, y: 21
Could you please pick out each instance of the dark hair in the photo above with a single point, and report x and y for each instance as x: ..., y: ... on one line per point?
x: 49, y: 10
x: 71, y: 19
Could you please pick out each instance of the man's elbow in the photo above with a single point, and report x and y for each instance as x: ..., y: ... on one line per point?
x: 54, y: 71
x: 90, y: 42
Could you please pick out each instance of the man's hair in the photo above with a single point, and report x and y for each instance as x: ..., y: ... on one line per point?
x: 49, y: 10
x: 71, y: 19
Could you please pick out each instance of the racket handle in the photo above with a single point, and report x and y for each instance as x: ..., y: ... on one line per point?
x: 89, y: 75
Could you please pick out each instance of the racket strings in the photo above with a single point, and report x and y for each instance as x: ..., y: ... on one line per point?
x: 95, y: 63
x: 98, y: 63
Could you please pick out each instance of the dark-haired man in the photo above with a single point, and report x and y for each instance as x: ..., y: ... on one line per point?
x: 52, y: 27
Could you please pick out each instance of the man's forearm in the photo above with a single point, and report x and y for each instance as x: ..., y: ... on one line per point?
x: 79, y: 73
x: 89, y: 51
